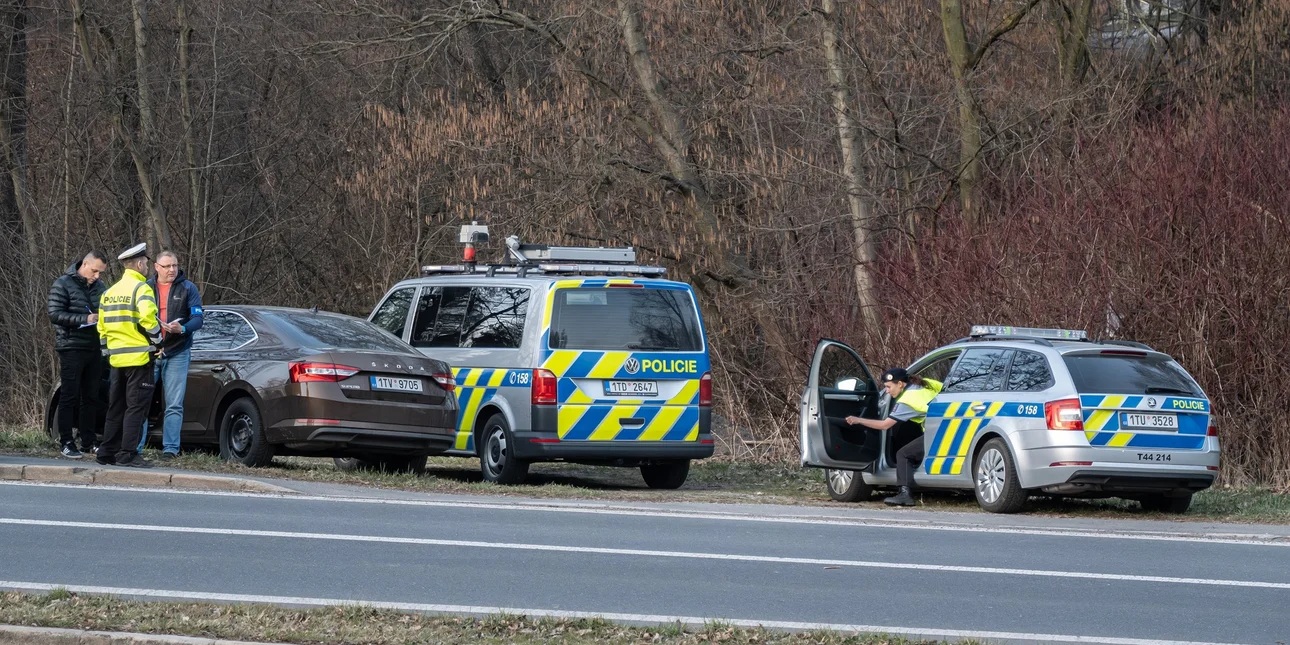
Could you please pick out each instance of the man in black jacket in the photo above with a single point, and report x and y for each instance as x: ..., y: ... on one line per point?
x: 73, y: 308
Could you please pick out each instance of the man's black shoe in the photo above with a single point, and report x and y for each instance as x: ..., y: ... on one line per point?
x: 136, y: 461
x: 69, y: 450
x: 169, y: 456
x: 104, y: 460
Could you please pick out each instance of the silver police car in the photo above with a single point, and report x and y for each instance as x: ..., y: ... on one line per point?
x: 1023, y: 412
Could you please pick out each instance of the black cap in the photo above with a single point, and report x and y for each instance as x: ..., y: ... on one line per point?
x: 895, y: 374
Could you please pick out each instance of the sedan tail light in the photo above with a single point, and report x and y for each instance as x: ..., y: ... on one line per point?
x: 312, y: 372
x: 445, y: 381
x: 1064, y: 415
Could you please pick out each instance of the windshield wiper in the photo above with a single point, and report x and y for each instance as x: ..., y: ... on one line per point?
x: 1164, y: 389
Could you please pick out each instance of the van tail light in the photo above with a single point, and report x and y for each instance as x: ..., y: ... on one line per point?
x: 544, y: 390
x: 445, y: 381
x: 320, y: 372
x: 1064, y: 415
x: 1212, y: 431
x: 705, y: 389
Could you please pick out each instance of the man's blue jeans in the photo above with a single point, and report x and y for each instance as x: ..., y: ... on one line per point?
x: 172, y: 375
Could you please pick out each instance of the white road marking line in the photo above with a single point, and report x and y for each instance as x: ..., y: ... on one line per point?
x: 648, y: 619
x: 598, y: 509
x: 583, y: 550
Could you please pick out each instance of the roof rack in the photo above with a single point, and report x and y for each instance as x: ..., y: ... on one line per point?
x: 1027, y: 332
x: 524, y: 259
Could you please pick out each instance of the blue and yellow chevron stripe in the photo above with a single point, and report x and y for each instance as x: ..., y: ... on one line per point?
x: 947, y: 450
x: 1102, y: 421
x: 475, y: 387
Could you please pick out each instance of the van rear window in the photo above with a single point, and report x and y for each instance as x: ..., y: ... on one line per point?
x: 614, y: 318
x: 1128, y: 374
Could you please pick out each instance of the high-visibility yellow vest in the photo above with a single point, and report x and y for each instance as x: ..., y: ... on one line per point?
x: 128, y: 325
x: 919, y: 398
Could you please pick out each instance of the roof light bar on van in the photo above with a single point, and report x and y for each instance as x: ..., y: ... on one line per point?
x: 1037, y: 332
x: 602, y: 268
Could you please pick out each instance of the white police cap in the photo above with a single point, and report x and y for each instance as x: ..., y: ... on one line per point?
x: 136, y: 251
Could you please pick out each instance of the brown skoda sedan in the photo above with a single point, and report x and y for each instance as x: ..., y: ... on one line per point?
x: 267, y: 381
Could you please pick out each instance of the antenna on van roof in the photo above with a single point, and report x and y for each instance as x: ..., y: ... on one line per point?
x: 527, y: 259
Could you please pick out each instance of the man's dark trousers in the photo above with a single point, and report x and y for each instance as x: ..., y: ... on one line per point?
x: 79, y: 394
x: 129, y: 397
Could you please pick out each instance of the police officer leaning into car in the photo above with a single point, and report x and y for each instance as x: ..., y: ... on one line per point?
x: 910, y: 396
x: 129, y: 331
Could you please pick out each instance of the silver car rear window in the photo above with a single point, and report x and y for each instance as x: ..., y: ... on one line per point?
x: 1129, y: 373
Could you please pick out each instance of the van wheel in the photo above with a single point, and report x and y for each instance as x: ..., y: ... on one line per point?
x: 497, y: 461
x: 241, y: 435
x: 666, y: 476
x: 996, y: 485
x: 847, y: 485
x: 1166, y: 504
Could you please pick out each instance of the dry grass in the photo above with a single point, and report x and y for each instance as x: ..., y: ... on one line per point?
x: 339, y: 625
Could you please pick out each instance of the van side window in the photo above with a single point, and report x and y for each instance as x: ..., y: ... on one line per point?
x: 440, y: 313
x: 392, y: 315
x: 1029, y: 373
x: 495, y: 317
x: 980, y: 370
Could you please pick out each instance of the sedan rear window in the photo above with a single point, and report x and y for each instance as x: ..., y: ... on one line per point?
x: 323, y: 331
x: 633, y: 319
x: 1129, y: 373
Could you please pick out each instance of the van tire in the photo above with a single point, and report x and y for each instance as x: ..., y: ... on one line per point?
x: 1166, y: 504
x: 497, y: 461
x: 994, y: 479
x: 666, y: 476
x: 847, y: 485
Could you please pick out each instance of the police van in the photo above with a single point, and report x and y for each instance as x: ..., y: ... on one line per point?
x: 1023, y: 412
x: 563, y: 354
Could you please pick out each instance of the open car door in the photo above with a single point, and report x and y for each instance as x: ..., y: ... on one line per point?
x: 839, y: 385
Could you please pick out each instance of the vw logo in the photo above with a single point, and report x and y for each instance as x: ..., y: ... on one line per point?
x: 1151, y: 403
x: 632, y: 366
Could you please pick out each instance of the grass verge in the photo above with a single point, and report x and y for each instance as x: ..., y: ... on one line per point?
x: 59, y: 608
x: 710, y: 481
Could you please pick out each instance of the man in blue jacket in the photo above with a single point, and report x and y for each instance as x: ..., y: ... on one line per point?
x: 180, y: 313
x: 74, y: 309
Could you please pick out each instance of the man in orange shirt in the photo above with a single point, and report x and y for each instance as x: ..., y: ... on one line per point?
x: 180, y: 314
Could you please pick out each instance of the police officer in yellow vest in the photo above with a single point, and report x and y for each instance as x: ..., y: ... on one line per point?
x: 129, y: 331
x: 910, y: 396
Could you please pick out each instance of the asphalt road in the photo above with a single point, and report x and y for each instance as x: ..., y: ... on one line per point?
x: 923, y: 574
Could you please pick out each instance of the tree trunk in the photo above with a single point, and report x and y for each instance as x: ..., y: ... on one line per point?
x: 144, y: 150
x: 13, y: 125
x: 671, y: 141
x: 197, y: 232
x: 969, y: 169
x: 861, y: 208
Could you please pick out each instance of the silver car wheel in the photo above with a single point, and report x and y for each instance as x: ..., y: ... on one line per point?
x: 840, y: 480
x: 990, y: 476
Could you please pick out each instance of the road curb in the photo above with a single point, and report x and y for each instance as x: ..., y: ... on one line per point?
x: 132, y: 477
x: 18, y: 635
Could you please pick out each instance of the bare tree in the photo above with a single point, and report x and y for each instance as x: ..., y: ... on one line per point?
x: 858, y: 193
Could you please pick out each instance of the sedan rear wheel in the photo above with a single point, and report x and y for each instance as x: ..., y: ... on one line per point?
x: 997, y: 488
x: 847, y: 485
x: 241, y: 435
x: 497, y: 461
